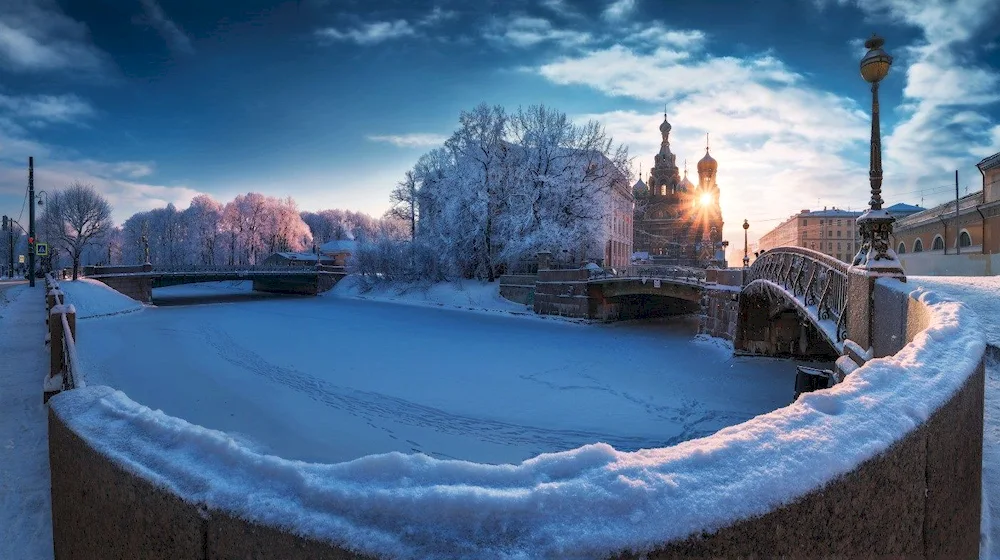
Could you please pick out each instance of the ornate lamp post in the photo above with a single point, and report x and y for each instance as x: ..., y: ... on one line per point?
x: 746, y: 251
x: 875, y: 224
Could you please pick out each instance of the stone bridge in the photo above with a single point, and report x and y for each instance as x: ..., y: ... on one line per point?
x: 138, y: 281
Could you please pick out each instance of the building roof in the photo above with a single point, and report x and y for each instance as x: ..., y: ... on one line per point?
x: 902, y: 207
x: 967, y: 204
x: 339, y: 246
x: 305, y: 257
x: 989, y: 162
x: 824, y: 213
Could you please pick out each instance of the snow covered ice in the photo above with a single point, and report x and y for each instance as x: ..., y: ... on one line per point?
x: 335, y: 378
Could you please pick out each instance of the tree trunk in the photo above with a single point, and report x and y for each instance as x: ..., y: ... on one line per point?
x: 76, y: 266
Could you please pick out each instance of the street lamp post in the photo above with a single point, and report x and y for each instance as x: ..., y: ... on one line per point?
x: 746, y: 251
x: 43, y: 199
x: 875, y: 224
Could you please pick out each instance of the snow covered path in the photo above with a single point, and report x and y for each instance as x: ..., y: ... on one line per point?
x: 25, y: 500
x: 333, y: 378
x: 983, y: 295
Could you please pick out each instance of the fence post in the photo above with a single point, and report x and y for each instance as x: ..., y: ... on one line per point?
x: 56, y: 341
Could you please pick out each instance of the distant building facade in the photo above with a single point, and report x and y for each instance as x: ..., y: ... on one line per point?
x: 973, y: 229
x: 676, y: 221
x: 616, y: 231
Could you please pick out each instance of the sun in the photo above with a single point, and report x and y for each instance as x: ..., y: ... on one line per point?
x: 705, y: 199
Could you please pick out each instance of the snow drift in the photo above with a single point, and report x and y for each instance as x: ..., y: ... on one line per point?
x: 588, y: 502
x: 95, y: 299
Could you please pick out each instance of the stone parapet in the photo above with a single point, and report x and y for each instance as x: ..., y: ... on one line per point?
x: 720, y: 309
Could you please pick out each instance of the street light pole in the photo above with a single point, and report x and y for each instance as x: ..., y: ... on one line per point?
x: 47, y: 261
x: 875, y: 224
x: 31, y: 221
x: 746, y: 251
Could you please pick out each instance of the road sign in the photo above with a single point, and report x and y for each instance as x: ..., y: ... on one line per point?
x: 656, y: 282
x: 20, y: 259
x: 41, y: 249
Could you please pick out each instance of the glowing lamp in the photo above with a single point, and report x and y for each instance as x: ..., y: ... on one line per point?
x: 876, y: 62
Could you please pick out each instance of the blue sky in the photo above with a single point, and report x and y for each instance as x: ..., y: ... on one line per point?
x: 154, y: 101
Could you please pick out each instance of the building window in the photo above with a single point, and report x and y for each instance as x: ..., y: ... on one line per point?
x: 829, y: 233
x: 839, y: 248
x: 821, y: 222
x: 805, y: 223
x: 902, y: 248
x: 938, y: 243
x: 813, y: 247
x: 918, y: 246
x: 964, y: 239
x: 838, y: 233
x: 829, y: 246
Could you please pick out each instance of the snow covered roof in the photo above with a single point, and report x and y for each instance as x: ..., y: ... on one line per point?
x: 339, y: 246
x: 305, y: 257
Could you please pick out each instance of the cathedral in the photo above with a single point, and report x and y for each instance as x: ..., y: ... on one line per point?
x: 676, y: 221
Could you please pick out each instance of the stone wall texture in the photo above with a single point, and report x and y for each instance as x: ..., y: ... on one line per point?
x: 519, y: 288
x: 720, y: 309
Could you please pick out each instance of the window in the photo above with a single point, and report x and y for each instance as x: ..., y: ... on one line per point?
x: 964, y: 239
x: 902, y: 248
x: 918, y: 246
x: 813, y: 245
x: 840, y: 257
x: 938, y: 243
x: 838, y: 222
x: 838, y: 233
x: 839, y: 246
x: 829, y: 246
x: 821, y: 222
x: 805, y: 223
x: 829, y: 233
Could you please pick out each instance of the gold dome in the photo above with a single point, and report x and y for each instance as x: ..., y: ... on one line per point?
x: 707, y: 164
x: 665, y: 126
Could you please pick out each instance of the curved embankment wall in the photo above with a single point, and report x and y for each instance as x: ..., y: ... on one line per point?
x: 887, y: 463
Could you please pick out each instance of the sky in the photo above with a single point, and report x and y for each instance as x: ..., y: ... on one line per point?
x: 331, y: 101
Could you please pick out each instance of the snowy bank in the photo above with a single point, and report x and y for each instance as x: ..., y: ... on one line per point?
x: 593, y: 501
x: 95, y: 299
x: 464, y: 294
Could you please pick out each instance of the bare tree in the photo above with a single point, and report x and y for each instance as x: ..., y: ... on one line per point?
x: 81, y: 217
x: 403, y: 201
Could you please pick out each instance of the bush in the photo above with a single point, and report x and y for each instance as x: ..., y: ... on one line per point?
x: 393, y: 261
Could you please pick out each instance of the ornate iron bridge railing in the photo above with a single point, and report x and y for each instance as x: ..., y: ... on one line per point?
x: 689, y: 274
x: 817, y: 280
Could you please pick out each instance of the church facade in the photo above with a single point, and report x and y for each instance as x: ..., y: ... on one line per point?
x: 677, y: 222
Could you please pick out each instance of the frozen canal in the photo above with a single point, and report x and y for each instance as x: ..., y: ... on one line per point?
x: 333, y: 378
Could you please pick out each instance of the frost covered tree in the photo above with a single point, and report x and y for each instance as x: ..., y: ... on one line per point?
x: 403, y: 202
x: 507, y: 185
x: 79, y: 216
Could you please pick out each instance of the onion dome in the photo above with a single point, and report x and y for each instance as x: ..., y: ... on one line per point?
x: 707, y: 164
x: 665, y: 126
x: 640, y: 188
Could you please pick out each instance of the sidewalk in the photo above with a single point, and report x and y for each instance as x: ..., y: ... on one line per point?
x: 25, y: 501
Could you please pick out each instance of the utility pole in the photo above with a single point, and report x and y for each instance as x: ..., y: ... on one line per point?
x: 958, y: 229
x: 31, y: 221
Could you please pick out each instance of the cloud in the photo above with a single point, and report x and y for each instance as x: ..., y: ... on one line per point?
x: 46, y: 108
x: 414, y: 140
x: 944, y: 122
x: 525, y: 31
x: 619, y: 10
x: 436, y: 16
x: 176, y: 38
x: 36, y: 36
x: 562, y: 8
x: 370, y: 33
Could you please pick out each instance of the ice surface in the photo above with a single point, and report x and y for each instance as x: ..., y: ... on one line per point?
x: 587, y: 502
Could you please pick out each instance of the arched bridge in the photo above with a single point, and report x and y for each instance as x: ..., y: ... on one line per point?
x: 138, y: 281
x: 795, y: 302
x: 612, y: 294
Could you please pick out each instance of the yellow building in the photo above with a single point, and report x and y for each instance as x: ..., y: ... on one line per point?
x: 829, y: 231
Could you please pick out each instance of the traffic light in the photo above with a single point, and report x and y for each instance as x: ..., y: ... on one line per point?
x: 31, y: 241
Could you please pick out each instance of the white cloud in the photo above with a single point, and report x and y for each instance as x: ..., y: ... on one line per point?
x: 525, y: 31
x: 561, y: 7
x: 178, y: 40
x: 370, y: 33
x: 35, y: 36
x: 619, y: 10
x: 47, y: 108
x: 437, y: 15
x: 415, y: 140
x: 943, y: 123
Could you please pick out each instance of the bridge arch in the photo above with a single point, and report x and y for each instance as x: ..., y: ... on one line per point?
x: 794, y: 303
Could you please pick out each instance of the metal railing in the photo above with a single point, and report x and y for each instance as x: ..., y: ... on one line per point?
x: 695, y: 275
x: 819, y: 280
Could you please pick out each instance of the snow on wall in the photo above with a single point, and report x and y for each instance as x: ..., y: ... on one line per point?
x: 588, y: 502
x: 96, y: 299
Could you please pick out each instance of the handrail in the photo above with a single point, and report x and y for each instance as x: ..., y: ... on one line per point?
x: 653, y: 272
x: 818, y: 279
